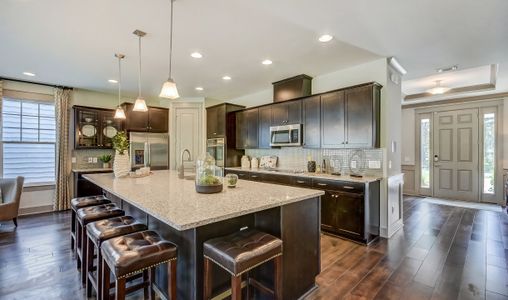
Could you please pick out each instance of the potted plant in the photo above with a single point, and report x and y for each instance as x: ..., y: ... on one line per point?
x: 121, y: 163
x: 208, y: 176
x: 106, y: 159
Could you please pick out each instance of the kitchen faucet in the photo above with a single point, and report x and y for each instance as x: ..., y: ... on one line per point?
x: 181, y: 170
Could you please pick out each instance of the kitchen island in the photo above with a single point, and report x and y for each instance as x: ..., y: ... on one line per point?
x: 172, y: 207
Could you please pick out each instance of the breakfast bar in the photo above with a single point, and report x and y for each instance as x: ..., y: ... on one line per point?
x: 172, y: 207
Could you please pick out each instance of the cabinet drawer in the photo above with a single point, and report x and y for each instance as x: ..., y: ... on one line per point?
x: 333, y: 185
x: 256, y: 177
x: 277, y: 179
x: 301, y: 182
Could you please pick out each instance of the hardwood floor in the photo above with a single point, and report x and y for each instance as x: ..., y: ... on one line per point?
x: 443, y: 252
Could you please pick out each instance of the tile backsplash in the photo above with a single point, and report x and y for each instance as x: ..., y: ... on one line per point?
x: 295, y: 158
x: 82, y: 156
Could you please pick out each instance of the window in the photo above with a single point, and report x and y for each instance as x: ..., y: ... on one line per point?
x: 425, y: 153
x: 28, y: 140
x: 489, y: 153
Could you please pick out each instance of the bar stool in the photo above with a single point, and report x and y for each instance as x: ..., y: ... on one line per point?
x: 81, y: 202
x: 239, y: 253
x: 128, y: 255
x: 97, y: 233
x: 87, y: 215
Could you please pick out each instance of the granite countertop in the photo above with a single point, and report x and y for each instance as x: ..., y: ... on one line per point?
x: 175, y: 201
x: 364, y: 179
x: 92, y: 170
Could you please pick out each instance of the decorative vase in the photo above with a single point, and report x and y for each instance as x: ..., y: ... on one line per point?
x: 121, y: 165
x: 106, y: 165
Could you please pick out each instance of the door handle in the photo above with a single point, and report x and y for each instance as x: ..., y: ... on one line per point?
x: 322, y: 184
x: 300, y: 181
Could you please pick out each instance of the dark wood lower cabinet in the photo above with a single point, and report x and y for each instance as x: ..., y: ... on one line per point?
x: 348, y: 209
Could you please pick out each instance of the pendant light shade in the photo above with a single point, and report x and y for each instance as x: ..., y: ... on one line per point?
x: 119, y: 112
x: 169, y: 89
x: 140, y: 104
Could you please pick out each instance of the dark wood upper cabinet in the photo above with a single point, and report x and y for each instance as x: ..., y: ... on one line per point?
x: 312, y: 122
x: 285, y: 113
x: 333, y: 120
x: 362, y: 106
x: 247, y: 129
x: 95, y: 127
x: 265, y: 121
x: 156, y: 119
x: 216, y: 121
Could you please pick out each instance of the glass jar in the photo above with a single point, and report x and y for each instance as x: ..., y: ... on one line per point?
x: 208, y: 175
x: 231, y: 180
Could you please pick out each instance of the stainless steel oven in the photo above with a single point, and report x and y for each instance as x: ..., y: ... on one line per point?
x: 286, y: 135
x: 216, y: 148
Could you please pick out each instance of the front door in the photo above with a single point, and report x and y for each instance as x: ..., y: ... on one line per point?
x: 455, y: 156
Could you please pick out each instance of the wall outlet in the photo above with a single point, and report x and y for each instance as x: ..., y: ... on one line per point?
x: 374, y: 164
x: 94, y: 160
x: 90, y: 160
x: 73, y: 160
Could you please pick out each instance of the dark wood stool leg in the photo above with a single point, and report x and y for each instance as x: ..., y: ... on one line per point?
x: 146, y: 280
x: 236, y: 287
x: 15, y: 220
x: 84, y: 252
x: 151, y: 282
x: 73, y: 229
x: 249, y: 287
x: 78, y: 244
x: 120, y: 289
x: 106, y: 284
x: 89, y: 265
x: 278, y: 277
x: 207, y: 279
x: 172, y: 279
x: 99, y: 273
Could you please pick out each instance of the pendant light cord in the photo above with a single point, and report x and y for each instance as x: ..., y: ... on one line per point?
x: 171, y: 40
x: 139, y: 74
x: 119, y: 79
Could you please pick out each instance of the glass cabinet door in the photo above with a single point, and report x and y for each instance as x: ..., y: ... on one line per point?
x: 87, y: 128
x: 109, y: 128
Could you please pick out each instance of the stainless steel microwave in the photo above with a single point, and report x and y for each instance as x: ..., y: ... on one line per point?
x: 286, y: 135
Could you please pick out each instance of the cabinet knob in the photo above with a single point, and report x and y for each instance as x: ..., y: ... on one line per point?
x: 346, y: 142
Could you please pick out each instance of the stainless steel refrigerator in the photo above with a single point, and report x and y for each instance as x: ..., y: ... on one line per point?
x: 150, y: 150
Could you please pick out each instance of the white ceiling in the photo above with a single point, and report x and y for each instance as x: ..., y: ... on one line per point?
x: 453, y: 79
x: 72, y: 42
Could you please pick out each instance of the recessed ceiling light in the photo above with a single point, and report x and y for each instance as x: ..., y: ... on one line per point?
x: 112, y: 81
x: 226, y: 77
x: 325, y: 38
x: 29, y: 74
x: 199, y: 88
x: 452, y: 68
x: 196, y: 55
x: 266, y: 62
x: 438, y: 89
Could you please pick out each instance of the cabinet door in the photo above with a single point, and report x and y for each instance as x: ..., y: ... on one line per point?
x: 328, y: 212
x: 312, y: 122
x: 332, y: 120
x: 252, y: 128
x: 87, y: 128
x: 241, y: 130
x: 215, y: 121
x: 136, y: 120
x: 109, y: 127
x: 294, y: 112
x: 265, y: 121
x: 350, y: 218
x: 359, y: 117
x: 279, y: 114
x: 158, y: 119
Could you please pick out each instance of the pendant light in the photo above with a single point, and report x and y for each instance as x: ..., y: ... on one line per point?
x: 119, y: 113
x: 140, y: 104
x: 169, y: 89
x: 438, y: 89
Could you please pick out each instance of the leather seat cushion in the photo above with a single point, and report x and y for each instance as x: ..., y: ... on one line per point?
x: 81, y: 202
x: 243, y: 250
x: 136, y: 251
x: 106, y: 229
x: 89, y: 214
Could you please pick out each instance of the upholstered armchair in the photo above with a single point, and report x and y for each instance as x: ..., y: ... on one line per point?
x: 11, y: 195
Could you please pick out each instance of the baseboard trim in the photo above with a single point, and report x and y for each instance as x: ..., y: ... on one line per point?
x: 35, y: 210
